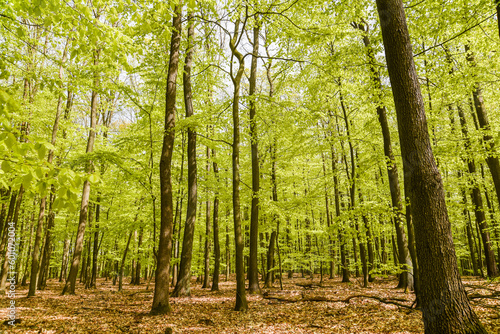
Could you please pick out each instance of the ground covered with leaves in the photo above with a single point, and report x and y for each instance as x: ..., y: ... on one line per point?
x: 302, y: 307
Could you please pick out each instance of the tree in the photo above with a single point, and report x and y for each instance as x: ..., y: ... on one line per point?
x: 253, y: 271
x: 445, y: 306
x: 241, y: 299
x: 182, y: 284
x: 71, y: 281
x: 162, y: 276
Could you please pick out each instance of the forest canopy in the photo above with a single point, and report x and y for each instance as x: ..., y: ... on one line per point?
x: 167, y: 142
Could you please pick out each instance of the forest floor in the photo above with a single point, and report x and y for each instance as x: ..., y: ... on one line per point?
x: 296, y: 309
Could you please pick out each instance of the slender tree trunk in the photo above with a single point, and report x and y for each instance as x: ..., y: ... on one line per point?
x: 206, y: 274
x: 445, y: 306
x: 484, y: 123
x: 477, y: 200
x: 73, y: 272
x: 95, y: 250
x: 270, y: 261
x: 470, y: 236
x: 328, y: 223
x: 228, y: 249
x: 405, y: 279
x: 161, y: 295
x: 182, y: 287
x: 215, y: 280
x: 178, y: 217
x: 122, y: 265
x: 64, y: 262
x: 5, y: 249
x: 137, y: 280
x: 253, y: 270
x: 241, y: 299
x: 47, y: 248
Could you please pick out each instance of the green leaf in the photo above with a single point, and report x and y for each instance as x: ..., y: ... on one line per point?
x: 94, y: 178
x: 6, y: 166
x: 27, y: 180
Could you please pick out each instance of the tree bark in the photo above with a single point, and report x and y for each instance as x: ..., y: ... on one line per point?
x: 162, y: 276
x: 253, y: 270
x: 270, y: 261
x: 182, y: 287
x: 241, y: 299
x: 206, y: 274
x: 215, y: 279
x: 445, y: 306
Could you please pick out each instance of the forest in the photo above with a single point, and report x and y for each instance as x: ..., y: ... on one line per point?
x: 250, y: 166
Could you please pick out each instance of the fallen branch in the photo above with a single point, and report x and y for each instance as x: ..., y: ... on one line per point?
x: 308, y: 285
x: 325, y: 299
x: 494, y: 295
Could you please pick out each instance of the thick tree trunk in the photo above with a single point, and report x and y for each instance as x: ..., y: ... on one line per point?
x: 182, y: 287
x: 445, y: 306
x: 161, y: 295
x: 241, y: 299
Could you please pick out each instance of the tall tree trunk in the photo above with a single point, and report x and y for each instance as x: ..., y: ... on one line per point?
x: 137, y: 279
x: 445, y: 306
x: 469, y: 235
x: 405, y: 279
x: 343, y: 251
x: 47, y: 248
x: 228, y: 249
x: 215, y: 280
x: 8, y: 248
x: 328, y: 223
x: 64, y: 262
x: 241, y: 299
x: 73, y: 272
x: 182, y: 287
x: 95, y: 250
x: 270, y: 261
x: 477, y: 200
x: 484, y: 123
x: 178, y: 217
x: 253, y: 270
x: 48, y: 235
x: 206, y: 274
x: 161, y: 295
